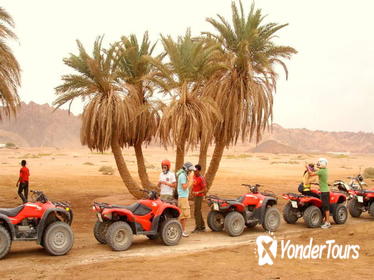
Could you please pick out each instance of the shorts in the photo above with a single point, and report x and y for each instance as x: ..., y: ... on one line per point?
x: 184, y: 206
x: 325, y: 197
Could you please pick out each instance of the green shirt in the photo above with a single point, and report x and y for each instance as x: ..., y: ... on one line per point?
x: 322, y: 176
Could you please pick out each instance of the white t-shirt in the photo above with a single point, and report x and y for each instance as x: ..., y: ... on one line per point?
x: 170, y: 178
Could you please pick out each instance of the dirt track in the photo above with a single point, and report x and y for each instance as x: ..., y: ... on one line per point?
x: 204, y: 255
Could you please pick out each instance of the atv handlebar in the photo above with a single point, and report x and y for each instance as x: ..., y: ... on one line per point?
x: 252, y: 188
x: 153, y: 195
x: 39, y: 196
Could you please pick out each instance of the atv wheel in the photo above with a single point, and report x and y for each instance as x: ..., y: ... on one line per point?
x: 289, y: 214
x: 58, y: 238
x: 312, y: 217
x: 234, y: 223
x: 119, y: 236
x: 5, y: 242
x: 100, y: 230
x: 272, y: 219
x: 340, y: 214
x: 152, y: 236
x: 354, y: 208
x: 371, y: 209
x: 251, y: 224
x: 170, y: 232
x: 216, y: 220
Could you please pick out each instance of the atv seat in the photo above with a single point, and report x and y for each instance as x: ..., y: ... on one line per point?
x: 11, y: 212
x: 368, y: 191
x: 136, y: 208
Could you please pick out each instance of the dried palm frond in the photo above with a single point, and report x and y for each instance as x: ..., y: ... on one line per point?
x: 9, y: 68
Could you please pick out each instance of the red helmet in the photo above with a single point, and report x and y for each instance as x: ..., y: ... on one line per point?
x: 166, y: 162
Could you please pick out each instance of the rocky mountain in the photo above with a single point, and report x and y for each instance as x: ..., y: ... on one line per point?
x: 39, y: 125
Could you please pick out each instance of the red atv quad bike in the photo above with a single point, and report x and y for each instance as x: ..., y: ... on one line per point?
x: 360, y: 199
x: 47, y: 223
x: 152, y: 217
x: 253, y: 208
x: 310, y: 208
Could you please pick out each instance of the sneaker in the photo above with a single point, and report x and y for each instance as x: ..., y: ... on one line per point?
x: 326, y: 225
x: 185, y: 234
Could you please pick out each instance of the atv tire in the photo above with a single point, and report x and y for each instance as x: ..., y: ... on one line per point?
x: 58, y: 238
x: 234, y: 223
x: 100, y: 230
x: 289, y: 214
x: 340, y: 214
x: 170, y: 232
x: 5, y: 242
x: 313, y: 217
x: 272, y: 219
x: 216, y: 220
x: 119, y: 236
x: 371, y: 209
x: 354, y: 208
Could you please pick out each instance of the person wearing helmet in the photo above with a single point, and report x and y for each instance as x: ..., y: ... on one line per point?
x: 167, y: 182
x: 184, y: 183
x: 322, y: 174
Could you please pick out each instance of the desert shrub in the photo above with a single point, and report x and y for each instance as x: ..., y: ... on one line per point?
x: 106, y: 170
x: 241, y: 156
x: 285, y: 162
x: 88, y: 163
x: 10, y: 145
x: 369, y: 172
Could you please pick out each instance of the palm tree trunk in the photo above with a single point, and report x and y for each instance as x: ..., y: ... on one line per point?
x: 214, y: 163
x: 180, y: 155
x: 124, y: 172
x: 203, y: 156
x: 142, y: 170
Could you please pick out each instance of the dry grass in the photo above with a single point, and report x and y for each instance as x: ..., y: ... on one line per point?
x: 106, y: 170
x: 369, y: 172
x: 241, y: 156
x: 285, y: 162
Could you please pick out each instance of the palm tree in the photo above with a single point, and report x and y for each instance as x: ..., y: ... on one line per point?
x: 135, y: 69
x: 106, y: 116
x: 9, y: 68
x: 244, y: 89
x: 189, y: 117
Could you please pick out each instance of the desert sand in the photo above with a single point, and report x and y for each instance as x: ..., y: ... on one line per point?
x: 73, y: 175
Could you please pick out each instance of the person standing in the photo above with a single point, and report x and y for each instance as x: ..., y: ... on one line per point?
x: 23, y: 182
x: 167, y: 182
x: 198, y: 191
x: 184, y: 183
x: 323, y: 174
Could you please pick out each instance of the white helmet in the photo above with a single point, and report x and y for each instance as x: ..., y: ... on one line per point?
x: 322, y: 163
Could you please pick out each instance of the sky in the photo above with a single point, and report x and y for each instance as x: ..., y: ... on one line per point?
x: 331, y: 79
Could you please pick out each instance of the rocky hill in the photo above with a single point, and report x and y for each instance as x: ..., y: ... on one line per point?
x: 38, y: 125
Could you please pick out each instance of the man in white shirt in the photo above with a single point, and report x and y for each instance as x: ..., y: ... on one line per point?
x: 167, y: 182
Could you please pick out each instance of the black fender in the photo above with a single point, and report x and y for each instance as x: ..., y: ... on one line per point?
x: 167, y: 211
x: 9, y: 226
x: 260, y: 212
x: 43, y: 221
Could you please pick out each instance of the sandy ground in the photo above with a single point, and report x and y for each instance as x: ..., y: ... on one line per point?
x: 73, y: 175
